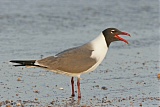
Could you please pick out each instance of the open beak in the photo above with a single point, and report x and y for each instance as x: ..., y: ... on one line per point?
x: 121, y: 39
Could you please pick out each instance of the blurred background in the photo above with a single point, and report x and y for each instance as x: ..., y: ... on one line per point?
x: 40, y: 28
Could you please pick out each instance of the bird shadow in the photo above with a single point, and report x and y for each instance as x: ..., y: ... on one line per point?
x: 73, y: 101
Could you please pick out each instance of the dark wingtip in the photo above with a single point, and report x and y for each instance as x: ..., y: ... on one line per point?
x: 24, y: 62
x: 12, y: 61
x: 18, y: 65
x: 15, y: 61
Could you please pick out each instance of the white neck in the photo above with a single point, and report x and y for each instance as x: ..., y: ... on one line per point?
x: 99, y: 42
x: 100, y: 49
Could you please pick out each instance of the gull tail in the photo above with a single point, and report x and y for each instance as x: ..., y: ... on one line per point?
x: 24, y: 62
x: 27, y: 63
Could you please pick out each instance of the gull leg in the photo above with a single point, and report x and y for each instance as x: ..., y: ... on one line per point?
x: 72, y: 83
x: 78, y: 86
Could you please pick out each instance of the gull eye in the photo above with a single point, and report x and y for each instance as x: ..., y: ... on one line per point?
x: 113, y: 31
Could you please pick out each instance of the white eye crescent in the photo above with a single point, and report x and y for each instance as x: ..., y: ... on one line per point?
x: 112, y: 31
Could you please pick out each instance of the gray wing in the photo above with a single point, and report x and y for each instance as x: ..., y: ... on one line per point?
x: 74, y: 60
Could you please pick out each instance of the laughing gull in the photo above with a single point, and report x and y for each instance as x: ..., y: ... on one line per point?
x: 78, y: 60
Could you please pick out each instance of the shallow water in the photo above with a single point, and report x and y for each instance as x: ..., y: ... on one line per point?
x: 35, y: 29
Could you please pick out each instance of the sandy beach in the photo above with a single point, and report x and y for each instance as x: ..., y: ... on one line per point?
x: 128, y: 76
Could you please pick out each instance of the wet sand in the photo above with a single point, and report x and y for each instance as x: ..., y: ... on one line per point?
x: 128, y: 75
